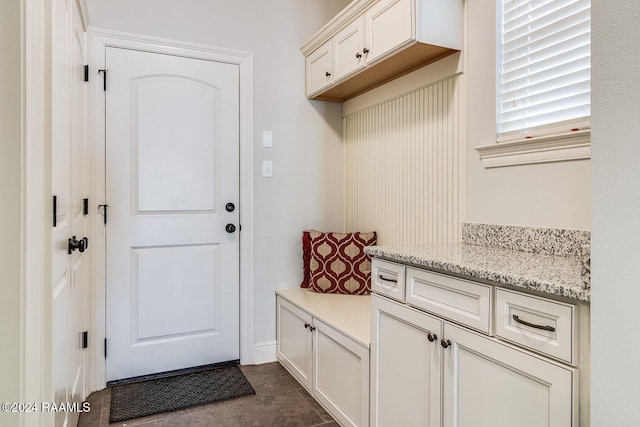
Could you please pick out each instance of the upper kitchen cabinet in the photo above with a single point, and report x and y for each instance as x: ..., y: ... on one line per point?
x: 373, y: 41
x: 319, y: 67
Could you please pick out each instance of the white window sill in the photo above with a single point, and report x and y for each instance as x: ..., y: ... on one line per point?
x: 543, y: 149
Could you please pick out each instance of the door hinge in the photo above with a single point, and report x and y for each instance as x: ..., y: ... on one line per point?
x: 55, y: 210
x: 104, y: 77
x: 85, y: 207
x: 85, y: 339
x: 105, y: 348
x: 104, y: 212
x: 86, y: 73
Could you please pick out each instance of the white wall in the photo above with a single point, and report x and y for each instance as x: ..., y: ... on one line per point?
x: 547, y: 195
x: 404, y: 157
x: 306, y: 188
x: 10, y: 205
x: 615, y: 337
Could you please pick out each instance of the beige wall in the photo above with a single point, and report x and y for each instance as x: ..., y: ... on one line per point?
x: 547, y: 195
x: 306, y: 188
x: 10, y: 205
x: 615, y: 278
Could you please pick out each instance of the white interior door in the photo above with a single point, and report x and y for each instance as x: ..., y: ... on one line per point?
x: 70, y: 186
x: 172, y: 168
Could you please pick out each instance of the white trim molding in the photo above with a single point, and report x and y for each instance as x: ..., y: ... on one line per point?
x: 344, y: 17
x: 265, y: 353
x: 100, y: 40
x: 543, y: 149
x: 36, y: 369
x: 82, y: 6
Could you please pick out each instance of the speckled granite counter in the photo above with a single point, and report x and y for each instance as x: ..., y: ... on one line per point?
x: 550, y: 274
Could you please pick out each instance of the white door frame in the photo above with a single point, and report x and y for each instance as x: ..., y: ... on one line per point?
x: 99, y: 40
x: 36, y: 305
x: 36, y: 367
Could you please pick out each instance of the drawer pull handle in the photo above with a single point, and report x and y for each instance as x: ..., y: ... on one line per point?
x: 432, y: 337
x: 386, y: 279
x: 532, y: 325
x: 445, y: 343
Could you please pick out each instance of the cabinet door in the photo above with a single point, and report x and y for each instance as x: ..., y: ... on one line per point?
x: 319, y: 66
x: 389, y: 25
x: 490, y: 384
x: 347, y: 48
x: 341, y: 375
x: 405, y: 374
x: 294, y: 340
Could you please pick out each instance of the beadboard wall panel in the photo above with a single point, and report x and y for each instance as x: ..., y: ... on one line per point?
x: 404, y: 166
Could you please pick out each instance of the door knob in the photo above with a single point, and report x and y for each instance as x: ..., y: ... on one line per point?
x: 80, y: 245
x: 230, y: 207
x: 230, y: 228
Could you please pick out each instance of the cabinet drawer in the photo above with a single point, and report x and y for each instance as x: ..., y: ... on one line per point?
x: 462, y: 301
x: 387, y: 278
x: 537, y: 323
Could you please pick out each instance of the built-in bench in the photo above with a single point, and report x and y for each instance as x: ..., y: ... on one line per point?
x: 323, y: 340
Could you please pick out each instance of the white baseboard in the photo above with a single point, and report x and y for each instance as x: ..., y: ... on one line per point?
x: 264, y: 353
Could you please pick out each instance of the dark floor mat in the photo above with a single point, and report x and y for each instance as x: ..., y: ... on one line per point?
x: 140, y: 399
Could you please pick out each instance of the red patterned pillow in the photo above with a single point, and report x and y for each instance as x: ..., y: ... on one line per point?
x: 306, y: 260
x: 338, y: 262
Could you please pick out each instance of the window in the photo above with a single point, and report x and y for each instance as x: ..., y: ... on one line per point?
x: 544, y: 60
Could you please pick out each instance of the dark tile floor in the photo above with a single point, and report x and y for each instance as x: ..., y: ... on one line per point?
x: 280, y: 401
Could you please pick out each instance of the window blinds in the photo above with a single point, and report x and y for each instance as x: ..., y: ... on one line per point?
x: 544, y: 62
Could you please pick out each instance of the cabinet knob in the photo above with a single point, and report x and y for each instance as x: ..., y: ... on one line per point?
x: 365, y: 50
x: 327, y: 74
x: 312, y: 328
x: 445, y: 343
x: 358, y: 55
x: 432, y: 337
x: 306, y: 325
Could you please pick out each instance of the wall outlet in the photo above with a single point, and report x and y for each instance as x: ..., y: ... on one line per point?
x: 267, y: 168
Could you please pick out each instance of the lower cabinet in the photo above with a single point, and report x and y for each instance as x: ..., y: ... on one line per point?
x: 405, y: 362
x: 295, y: 341
x: 332, y: 367
x: 460, y: 377
x: 488, y: 383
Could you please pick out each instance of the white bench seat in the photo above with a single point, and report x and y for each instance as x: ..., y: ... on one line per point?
x: 348, y: 314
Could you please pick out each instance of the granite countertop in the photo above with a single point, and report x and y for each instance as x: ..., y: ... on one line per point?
x: 550, y: 274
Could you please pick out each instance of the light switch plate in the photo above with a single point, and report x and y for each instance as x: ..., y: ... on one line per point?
x: 267, y: 138
x: 267, y: 168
